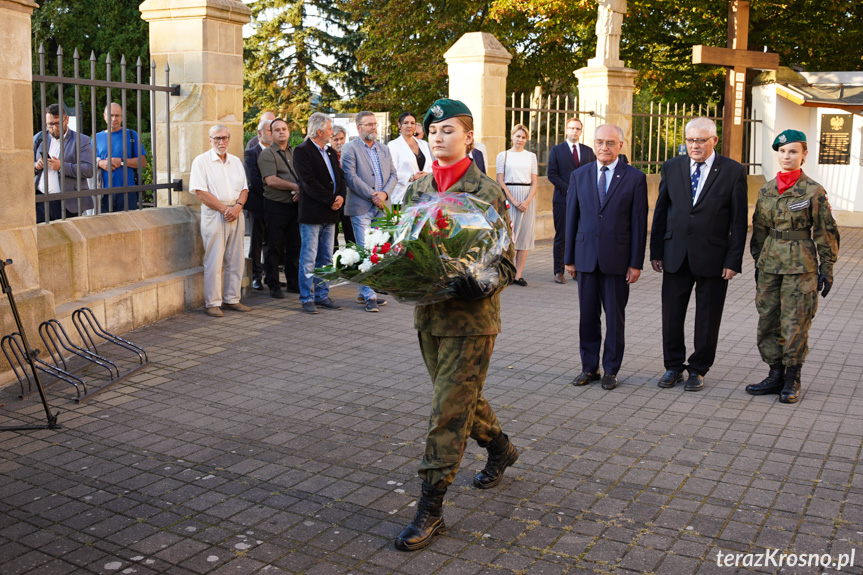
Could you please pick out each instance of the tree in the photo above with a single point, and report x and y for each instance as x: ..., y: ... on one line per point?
x: 299, y: 56
x: 100, y: 27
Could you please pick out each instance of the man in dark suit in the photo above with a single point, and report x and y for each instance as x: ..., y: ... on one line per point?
x: 49, y: 181
x: 255, y: 202
x: 322, y: 194
x: 563, y: 159
x: 606, y: 233
x: 697, y: 239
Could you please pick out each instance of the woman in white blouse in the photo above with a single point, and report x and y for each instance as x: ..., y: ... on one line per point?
x: 411, y: 157
x: 517, y: 175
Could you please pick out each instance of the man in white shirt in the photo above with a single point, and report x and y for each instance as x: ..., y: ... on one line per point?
x: 219, y: 181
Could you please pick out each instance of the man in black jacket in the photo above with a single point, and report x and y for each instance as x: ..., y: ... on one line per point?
x: 563, y: 159
x: 697, y: 240
x: 322, y: 193
x: 255, y: 202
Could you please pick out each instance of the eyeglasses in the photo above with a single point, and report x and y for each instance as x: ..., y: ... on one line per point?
x: 607, y: 144
x: 219, y: 139
x: 53, y: 123
x: 375, y: 125
x: 699, y: 141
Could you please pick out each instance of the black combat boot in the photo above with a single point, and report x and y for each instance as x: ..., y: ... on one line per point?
x: 772, y: 383
x: 791, y: 390
x: 427, y: 522
x: 501, y: 454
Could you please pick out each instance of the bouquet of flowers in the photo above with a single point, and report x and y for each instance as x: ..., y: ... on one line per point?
x: 417, y: 254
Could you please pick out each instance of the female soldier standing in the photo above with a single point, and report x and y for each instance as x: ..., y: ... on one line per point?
x: 792, y: 221
x: 457, y: 336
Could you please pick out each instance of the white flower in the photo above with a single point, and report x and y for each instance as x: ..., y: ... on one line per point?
x: 366, y: 265
x: 349, y: 256
x: 375, y: 237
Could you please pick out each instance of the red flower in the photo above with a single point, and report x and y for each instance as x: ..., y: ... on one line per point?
x: 410, y: 255
x: 375, y: 250
x: 385, y: 248
x: 441, y: 223
x: 374, y: 258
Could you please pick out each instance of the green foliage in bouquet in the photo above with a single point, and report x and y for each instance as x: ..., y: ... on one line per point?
x: 416, y: 254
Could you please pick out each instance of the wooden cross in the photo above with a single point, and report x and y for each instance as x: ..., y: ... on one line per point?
x: 736, y: 59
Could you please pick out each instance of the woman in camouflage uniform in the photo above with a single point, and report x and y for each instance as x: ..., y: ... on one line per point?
x: 795, y: 242
x: 457, y: 336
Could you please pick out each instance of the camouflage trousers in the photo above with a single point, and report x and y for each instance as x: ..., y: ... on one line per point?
x: 786, y: 304
x: 457, y: 366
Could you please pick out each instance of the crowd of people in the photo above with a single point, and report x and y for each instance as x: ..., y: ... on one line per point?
x: 119, y: 155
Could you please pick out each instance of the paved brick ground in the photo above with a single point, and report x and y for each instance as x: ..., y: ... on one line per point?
x: 281, y: 442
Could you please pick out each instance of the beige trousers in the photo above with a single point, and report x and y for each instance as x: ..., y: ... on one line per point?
x: 223, y: 257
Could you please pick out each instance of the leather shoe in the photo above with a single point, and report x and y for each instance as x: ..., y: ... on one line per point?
x: 609, y: 381
x: 586, y: 377
x: 277, y: 293
x: 236, y: 306
x: 559, y: 279
x: 257, y: 285
x: 670, y: 379
x: 214, y: 311
x: 694, y: 383
x: 309, y: 307
x: 520, y: 281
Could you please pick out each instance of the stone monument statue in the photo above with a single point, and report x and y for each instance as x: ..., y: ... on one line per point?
x: 608, y: 25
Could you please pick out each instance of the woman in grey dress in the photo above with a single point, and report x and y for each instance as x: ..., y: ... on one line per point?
x: 517, y: 175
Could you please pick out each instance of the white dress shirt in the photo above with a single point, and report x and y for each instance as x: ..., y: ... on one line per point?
x: 702, y: 177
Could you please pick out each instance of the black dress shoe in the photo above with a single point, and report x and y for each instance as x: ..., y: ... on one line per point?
x: 586, y: 377
x: 257, y: 285
x: 277, y: 293
x: 670, y: 379
x: 609, y: 381
x: 694, y: 383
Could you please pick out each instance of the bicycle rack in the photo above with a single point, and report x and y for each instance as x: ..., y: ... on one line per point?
x: 62, y: 352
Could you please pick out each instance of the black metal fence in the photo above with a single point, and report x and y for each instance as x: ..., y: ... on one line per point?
x: 658, y: 133
x: 91, y: 181
x: 545, y: 118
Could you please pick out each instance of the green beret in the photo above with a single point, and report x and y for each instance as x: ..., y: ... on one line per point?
x: 788, y: 137
x: 444, y: 109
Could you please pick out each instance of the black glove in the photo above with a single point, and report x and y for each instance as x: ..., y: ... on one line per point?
x: 756, y: 275
x: 468, y: 289
x: 825, y: 282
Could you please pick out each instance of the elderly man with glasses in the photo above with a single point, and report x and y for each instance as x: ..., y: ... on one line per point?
x: 219, y: 181
x: 371, y: 177
x: 697, y: 241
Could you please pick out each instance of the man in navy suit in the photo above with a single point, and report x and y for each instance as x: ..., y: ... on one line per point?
x: 606, y: 233
x: 563, y: 159
x: 697, y: 241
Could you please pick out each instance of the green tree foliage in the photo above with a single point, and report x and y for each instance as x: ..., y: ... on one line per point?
x: 300, y: 56
x: 100, y: 27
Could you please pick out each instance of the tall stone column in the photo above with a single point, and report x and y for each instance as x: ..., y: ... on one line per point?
x: 607, y: 92
x: 202, y: 43
x: 18, y: 222
x: 478, y: 66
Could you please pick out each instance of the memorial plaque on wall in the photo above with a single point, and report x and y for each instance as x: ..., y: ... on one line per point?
x: 835, y: 139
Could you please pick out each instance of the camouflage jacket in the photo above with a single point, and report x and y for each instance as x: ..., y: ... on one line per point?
x: 455, y: 317
x: 804, y: 206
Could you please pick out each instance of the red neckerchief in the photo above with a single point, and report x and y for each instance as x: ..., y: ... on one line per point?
x: 787, y: 179
x: 446, y: 176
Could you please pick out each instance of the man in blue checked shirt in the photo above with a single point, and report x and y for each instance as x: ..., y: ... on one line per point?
x: 370, y: 176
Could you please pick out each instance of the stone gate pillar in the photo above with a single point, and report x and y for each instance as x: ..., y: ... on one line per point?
x: 202, y: 42
x: 18, y: 221
x: 608, y: 92
x: 478, y: 66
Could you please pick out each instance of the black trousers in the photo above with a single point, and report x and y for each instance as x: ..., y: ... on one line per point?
x: 709, y: 302
x: 609, y: 292
x: 55, y: 211
x: 257, y: 220
x: 347, y: 230
x: 283, y: 233
x: 558, y: 212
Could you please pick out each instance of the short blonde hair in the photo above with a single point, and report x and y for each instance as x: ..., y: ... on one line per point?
x: 519, y: 128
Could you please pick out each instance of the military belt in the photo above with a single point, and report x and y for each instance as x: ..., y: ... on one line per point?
x: 790, y: 234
